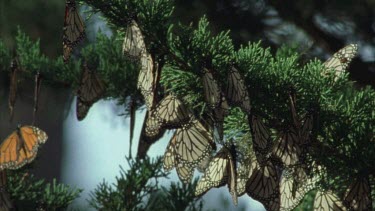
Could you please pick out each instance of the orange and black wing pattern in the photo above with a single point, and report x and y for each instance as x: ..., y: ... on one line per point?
x: 171, y: 112
x: 21, y: 147
x: 134, y: 45
x: 358, y: 195
x: 261, y: 137
x: 90, y: 90
x: 236, y: 90
x: 220, y: 171
x: 211, y: 90
x: 264, y: 186
x: 328, y: 200
x: 73, y: 31
x: 171, y: 161
x: 286, y: 151
x: 340, y: 61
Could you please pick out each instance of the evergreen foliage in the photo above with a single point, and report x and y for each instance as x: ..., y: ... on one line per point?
x: 343, y: 133
x: 138, y: 189
x: 30, y: 193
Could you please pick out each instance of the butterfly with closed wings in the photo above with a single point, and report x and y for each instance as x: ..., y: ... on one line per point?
x: 220, y: 171
x: 90, y: 90
x: 73, y: 30
x: 264, y: 185
x: 185, y: 173
x: 328, y: 200
x: 358, y: 195
x: 340, y: 60
x: 236, y: 91
x: 261, y: 138
x: 133, y: 45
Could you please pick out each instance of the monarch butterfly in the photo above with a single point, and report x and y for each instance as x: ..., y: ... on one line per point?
x: 193, y: 144
x: 171, y: 112
x: 14, y: 68
x: 73, y: 31
x: 264, y: 186
x: 21, y: 147
x: 184, y: 173
x: 147, y: 80
x: 305, y: 128
x: 286, y: 150
x: 212, y: 92
x: 90, y: 90
x: 38, y: 83
x: 292, y: 142
x: 261, y: 137
x: 219, y: 114
x: 292, y: 194
x: 134, y: 45
x: 236, y: 91
x: 340, y: 60
x: 327, y: 200
x: 245, y: 170
x: 220, y: 171
x: 358, y: 195
x: 5, y: 201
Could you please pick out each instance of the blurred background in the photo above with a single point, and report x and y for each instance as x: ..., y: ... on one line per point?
x: 84, y: 153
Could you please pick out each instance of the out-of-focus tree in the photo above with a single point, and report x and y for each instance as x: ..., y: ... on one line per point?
x: 319, y: 27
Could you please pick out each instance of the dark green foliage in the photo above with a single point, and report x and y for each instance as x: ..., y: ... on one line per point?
x: 138, y: 189
x: 29, y: 192
x: 178, y: 196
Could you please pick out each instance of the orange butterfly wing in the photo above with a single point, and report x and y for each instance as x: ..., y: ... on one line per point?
x: 21, y: 147
x: 8, y: 151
